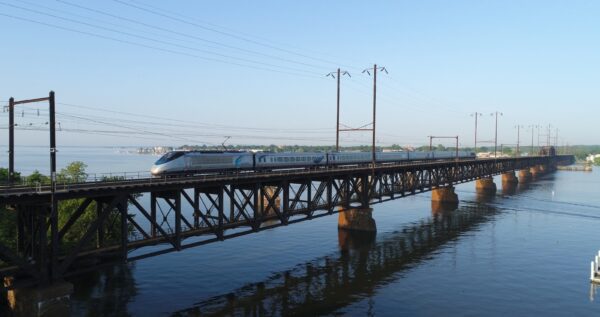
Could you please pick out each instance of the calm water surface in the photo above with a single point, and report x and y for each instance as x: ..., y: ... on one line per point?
x: 520, y: 254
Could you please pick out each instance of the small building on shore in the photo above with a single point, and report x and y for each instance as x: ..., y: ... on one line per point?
x: 592, y: 157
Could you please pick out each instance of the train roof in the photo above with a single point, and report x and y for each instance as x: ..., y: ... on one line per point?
x: 210, y: 151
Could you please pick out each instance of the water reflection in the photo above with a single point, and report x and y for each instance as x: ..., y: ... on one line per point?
x: 353, y: 240
x: 364, y: 263
x: 509, y: 189
x: 524, y: 186
x: 485, y: 198
x: 104, y: 292
x: 441, y: 207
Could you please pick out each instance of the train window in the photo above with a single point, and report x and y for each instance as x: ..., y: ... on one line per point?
x: 169, y: 157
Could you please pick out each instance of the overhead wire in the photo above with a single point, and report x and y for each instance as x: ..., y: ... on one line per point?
x: 149, y: 46
x: 192, y: 23
x: 150, y: 127
x: 187, y: 35
x: 177, y: 52
x: 209, y: 125
x: 146, y: 38
x: 243, y: 34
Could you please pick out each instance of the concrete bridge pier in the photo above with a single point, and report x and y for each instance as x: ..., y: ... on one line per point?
x: 509, y: 183
x: 267, y: 207
x: 535, y: 171
x: 524, y: 176
x: 444, y: 199
x: 509, y: 178
x: 357, y: 219
x: 485, y: 186
x: 543, y: 168
x: 49, y: 300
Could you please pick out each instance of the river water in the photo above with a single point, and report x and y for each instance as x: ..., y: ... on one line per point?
x: 520, y: 253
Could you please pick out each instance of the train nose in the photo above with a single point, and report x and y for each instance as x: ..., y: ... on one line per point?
x: 155, y: 170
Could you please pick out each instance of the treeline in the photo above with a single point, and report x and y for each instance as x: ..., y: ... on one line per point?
x: 580, y: 151
x: 583, y: 151
x: 309, y: 148
x: 72, y: 173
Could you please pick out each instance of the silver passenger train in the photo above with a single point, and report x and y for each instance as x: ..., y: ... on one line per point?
x: 191, y: 162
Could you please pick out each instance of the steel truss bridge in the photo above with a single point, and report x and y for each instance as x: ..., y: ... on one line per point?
x: 134, y: 219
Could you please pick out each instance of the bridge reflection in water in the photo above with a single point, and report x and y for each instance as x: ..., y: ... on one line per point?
x: 363, y: 264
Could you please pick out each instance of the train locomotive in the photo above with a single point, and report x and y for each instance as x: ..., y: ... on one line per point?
x: 195, y: 162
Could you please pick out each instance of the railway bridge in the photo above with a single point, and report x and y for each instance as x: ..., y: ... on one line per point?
x: 128, y: 220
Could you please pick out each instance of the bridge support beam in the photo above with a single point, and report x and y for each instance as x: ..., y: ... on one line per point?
x: 524, y: 176
x: 49, y: 300
x: 485, y: 186
x: 357, y: 219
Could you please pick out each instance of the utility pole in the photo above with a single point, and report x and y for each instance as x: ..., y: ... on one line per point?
x: 496, y: 133
x: 518, y: 139
x: 476, y: 114
x: 52, y: 138
x: 11, y: 140
x: 538, y: 129
x: 368, y: 71
x: 533, y: 126
x: 11, y: 132
x: 337, y: 126
x: 548, y: 136
x: 53, y: 201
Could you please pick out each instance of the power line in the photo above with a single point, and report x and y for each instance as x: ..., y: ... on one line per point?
x: 186, y: 21
x: 187, y: 35
x: 149, y: 46
x: 268, y: 41
x: 158, y: 41
x: 211, y: 125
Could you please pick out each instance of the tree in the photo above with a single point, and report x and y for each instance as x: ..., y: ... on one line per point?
x: 4, y: 175
x: 8, y: 228
x: 597, y: 161
x: 37, y: 177
x: 73, y: 173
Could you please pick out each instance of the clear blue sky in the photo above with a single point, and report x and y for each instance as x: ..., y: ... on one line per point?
x: 255, y: 70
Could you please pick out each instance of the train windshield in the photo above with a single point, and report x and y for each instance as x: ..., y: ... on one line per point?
x: 168, y: 157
